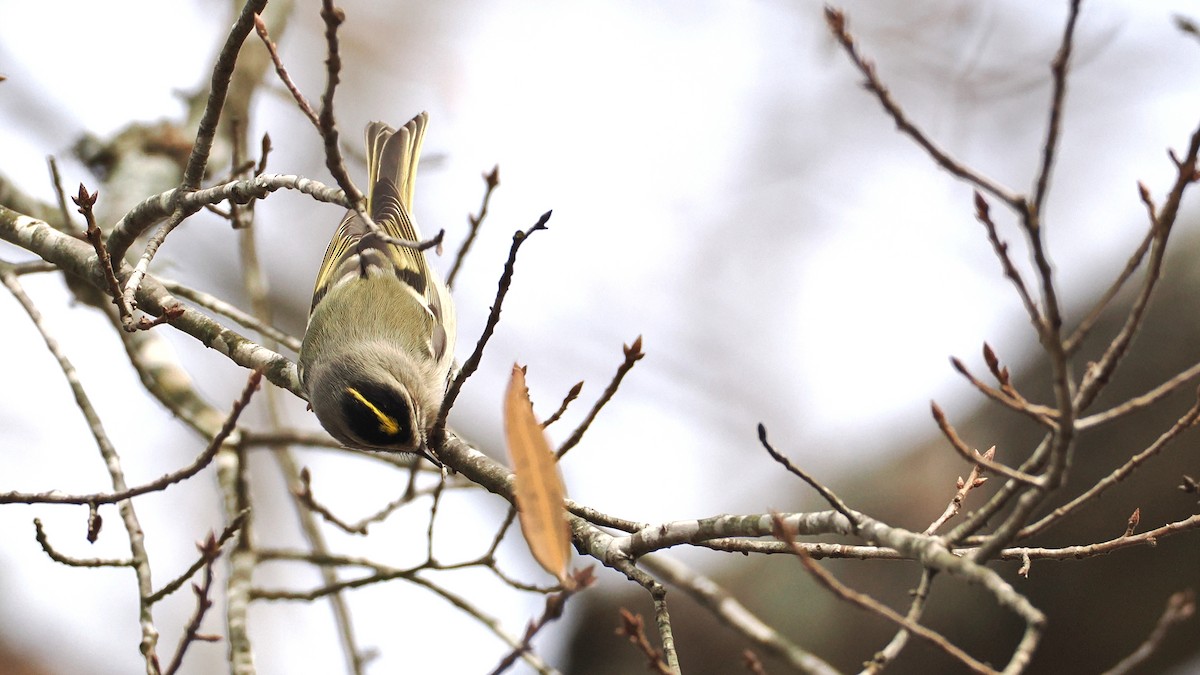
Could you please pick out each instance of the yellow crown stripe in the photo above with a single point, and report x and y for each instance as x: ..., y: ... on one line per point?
x: 387, y: 423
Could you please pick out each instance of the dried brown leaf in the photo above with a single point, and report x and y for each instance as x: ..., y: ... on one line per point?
x: 538, y: 485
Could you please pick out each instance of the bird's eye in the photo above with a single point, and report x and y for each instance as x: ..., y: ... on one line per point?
x: 376, y: 415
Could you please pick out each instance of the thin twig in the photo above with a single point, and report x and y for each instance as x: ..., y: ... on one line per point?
x: 472, y: 363
x: 562, y: 407
x: 1098, y: 376
x: 731, y: 612
x: 837, y: 25
x: 489, y: 622
x: 633, y: 627
x: 974, y: 479
x: 222, y: 74
x: 1075, y: 341
x: 60, y: 195
x: 134, y: 282
x: 973, y: 456
x: 826, y: 494
x: 552, y: 610
x: 596, y: 517
x: 1057, y: 452
x: 509, y: 518
x: 916, y: 608
x: 215, y: 304
x: 85, y: 203
x: 1187, y: 421
x: 44, y: 541
x: 1058, y: 73
x: 786, y: 535
x: 1008, y: 396
x: 333, y: 17
x: 1141, y: 402
x: 492, y: 180
x: 434, y: 505
x: 662, y: 616
x: 139, y: 558
x: 385, y: 573
x: 231, y: 529
x: 306, y: 497
x: 633, y: 354
x: 210, y: 550
x: 260, y: 27
x: 204, y: 459
x: 981, y: 516
x: 983, y: 215
x: 1147, y: 538
x: 1180, y: 607
x: 29, y: 267
x: 240, y: 167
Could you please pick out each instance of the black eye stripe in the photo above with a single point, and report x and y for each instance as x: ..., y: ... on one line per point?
x: 376, y: 415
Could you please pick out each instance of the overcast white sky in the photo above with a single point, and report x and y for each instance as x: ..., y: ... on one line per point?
x: 721, y: 185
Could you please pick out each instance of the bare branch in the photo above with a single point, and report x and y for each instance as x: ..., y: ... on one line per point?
x: 437, y: 436
x: 1058, y: 71
x: 85, y: 202
x: 920, y: 596
x: 210, y: 550
x: 1098, y: 375
x: 44, y: 541
x: 974, y: 479
x: 1147, y: 538
x: 197, y: 465
x: 633, y: 354
x: 60, y: 195
x: 983, y: 215
x: 333, y: 17
x: 140, y: 560
x: 219, y: 306
x: 260, y: 27
x: 726, y: 607
x: 1187, y: 421
x: 1008, y: 396
x: 552, y: 611
x: 1181, y: 606
x: 1085, y: 326
x: 863, y: 601
x: 633, y: 627
x: 492, y: 180
x: 826, y: 494
x: 837, y: 25
x: 1141, y: 402
x: 231, y: 529
x: 222, y: 74
x: 973, y: 456
x: 562, y: 407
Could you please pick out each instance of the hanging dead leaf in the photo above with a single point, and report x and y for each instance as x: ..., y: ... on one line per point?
x: 538, y: 485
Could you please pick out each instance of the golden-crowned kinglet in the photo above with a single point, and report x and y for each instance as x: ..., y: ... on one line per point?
x: 379, y: 348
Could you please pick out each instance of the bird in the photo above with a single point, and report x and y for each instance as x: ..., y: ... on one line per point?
x: 378, y: 352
